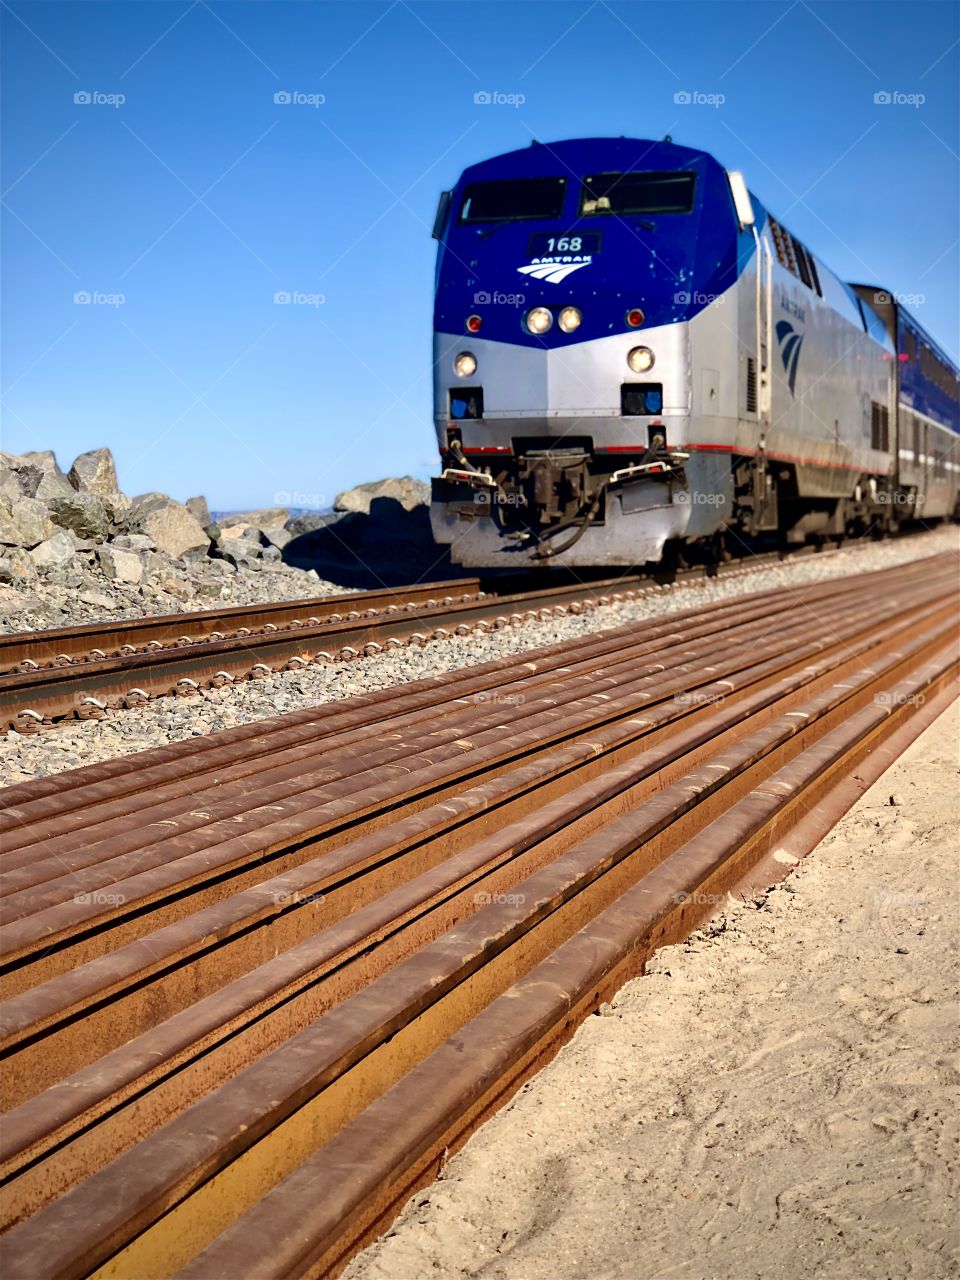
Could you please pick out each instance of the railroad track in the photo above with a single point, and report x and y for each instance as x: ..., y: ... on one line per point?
x: 257, y: 985
x: 82, y: 672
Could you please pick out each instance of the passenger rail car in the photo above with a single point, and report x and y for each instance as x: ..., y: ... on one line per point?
x: 632, y: 354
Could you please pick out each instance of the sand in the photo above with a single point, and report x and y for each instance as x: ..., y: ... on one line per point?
x: 776, y: 1098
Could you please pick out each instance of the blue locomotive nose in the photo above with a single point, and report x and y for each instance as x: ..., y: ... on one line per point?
x: 662, y: 241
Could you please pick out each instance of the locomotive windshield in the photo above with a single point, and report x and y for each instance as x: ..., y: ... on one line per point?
x: 627, y: 193
x: 510, y: 201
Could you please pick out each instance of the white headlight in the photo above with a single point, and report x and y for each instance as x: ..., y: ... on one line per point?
x: 538, y: 320
x: 640, y: 359
x: 465, y: 364
x: 569, y: 319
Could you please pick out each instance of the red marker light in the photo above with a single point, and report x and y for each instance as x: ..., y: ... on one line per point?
x: 474, y: 323
x: 635, y: 317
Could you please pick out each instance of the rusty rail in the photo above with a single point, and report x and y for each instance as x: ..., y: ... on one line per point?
x: 230, y: 962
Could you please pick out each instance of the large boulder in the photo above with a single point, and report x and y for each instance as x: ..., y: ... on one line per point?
x: 55, y: 553
x: 199, y: 510
x: 24, y: 522
x: 408, y: 492
x: 170, y: 525
x: 94, y: 472
x: 41, y: 477
x: 122, y: 566
x: 86, y: 514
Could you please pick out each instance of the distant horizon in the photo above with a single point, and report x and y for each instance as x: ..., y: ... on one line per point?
x: 217, y: 216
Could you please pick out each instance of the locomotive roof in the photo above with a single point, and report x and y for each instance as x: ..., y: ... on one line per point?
x: 586, y: 155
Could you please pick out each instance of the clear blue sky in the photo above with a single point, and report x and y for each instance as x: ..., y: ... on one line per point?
x: 199, y: 198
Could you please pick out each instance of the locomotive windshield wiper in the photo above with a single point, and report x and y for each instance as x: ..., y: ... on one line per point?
x: 501, y: 222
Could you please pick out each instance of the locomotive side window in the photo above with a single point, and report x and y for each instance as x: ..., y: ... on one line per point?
x: 626, y: 193
x: 802, y: 265
x: 513, y: 200
x: 792, y: 255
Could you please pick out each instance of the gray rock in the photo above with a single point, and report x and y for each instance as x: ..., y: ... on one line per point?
x: 96, y: 598
x: 199, y: 510
x: 9, y: 484
x: 276, y: 537
x: 408, y: 492
x: 19, y: 561
x: 310, y: 521
x: 122, y: 566
x: 241, y: 552
x: 118, y: 504
x: 41, y: 477
x: 264, y: 518
x: 196, y: 556
x: 271, y: 553
x: 133, y: 542
x: 55, y: 553
x: 176, y: 585
x: 86, y: 514
x: 219, y: 569
x: 170, y: 525
x: 24, y: 522
x: 94, y: 472
x: 16, y: 566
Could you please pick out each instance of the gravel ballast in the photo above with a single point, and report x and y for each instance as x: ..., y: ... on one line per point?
x: 76, y: 743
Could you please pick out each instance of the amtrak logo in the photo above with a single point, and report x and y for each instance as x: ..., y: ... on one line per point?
x: 553, y: 270
x: 790, y: 343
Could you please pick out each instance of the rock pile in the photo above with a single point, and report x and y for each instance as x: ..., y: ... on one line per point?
x: 76, y: 539
x: 74, y: 545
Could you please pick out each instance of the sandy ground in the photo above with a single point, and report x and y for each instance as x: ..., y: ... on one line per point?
x: 776, y: 1099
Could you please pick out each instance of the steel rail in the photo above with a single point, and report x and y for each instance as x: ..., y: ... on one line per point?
x: 404, y: 936
x: 83, y: 672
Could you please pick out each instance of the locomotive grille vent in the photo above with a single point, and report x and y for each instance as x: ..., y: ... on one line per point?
x: 879, y: 427
x: 751, y: 385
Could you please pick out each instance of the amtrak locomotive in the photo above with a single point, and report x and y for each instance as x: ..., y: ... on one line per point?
x: 632, y: 356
